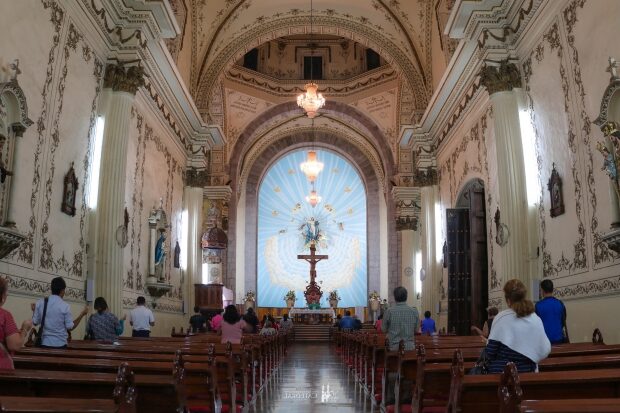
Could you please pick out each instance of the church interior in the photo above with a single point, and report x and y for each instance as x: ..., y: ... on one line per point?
x: 306, y: 158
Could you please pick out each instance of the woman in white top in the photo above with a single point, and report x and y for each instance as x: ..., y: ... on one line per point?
x: 268, y: 330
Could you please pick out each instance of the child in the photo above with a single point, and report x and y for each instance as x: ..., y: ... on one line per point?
x: 428, y: 324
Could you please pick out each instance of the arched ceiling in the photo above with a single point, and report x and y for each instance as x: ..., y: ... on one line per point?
x: 223, y: 30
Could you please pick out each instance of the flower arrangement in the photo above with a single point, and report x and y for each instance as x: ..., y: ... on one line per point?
x: 290, y: 295
x: 333, y: 295
x: 249, y: 296
x: 374, y: 296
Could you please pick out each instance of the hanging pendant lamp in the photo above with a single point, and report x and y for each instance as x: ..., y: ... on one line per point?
x: 311, y: 101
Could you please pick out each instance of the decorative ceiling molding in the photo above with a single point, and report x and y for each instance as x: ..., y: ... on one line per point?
x: 288, y: 88
x: 271, y: 30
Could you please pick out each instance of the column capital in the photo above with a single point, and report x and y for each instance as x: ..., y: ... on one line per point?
x: 123, y: 79
x: 198, y: 178
x: 504, y: 77
x: 407, y: 204
x: 218, y: 192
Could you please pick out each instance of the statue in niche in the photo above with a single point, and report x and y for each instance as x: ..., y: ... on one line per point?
x: 160, y: 256
x: 69, y: 192
x: 177, y: 255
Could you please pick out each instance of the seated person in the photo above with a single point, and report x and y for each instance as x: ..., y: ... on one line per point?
x: 518, y: 334
x: 486, y: 328
x: 268, y: 329
x: 232, y: 326
x: 251, y: 319
x: 378, y: 323
x: 552, y: 312
x: 347, y: 322
x: 337, y: 321
x: 357, y: 323
x: 197, y: 322
x: 428, y: 324
x: 216, y: 321
x: 103, y: 325
x: 286, y: 323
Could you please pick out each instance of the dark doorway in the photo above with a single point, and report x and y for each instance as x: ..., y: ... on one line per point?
x: 468, y: 293
x: 373, y: 60
x: 250, y: 59
x: 313, y: 67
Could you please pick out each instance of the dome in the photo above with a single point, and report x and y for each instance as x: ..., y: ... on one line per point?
x: 215, y: 238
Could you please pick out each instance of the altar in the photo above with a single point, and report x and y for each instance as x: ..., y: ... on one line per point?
x: 308, y: 316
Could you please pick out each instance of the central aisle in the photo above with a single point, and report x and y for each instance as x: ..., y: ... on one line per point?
x: 312, y: 379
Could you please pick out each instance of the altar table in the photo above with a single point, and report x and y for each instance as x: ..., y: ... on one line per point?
x: 306, y: 314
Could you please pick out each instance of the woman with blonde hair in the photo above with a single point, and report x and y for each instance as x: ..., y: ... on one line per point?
x: 517, y: 335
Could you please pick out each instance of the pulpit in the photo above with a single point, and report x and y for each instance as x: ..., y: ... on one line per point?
x: 208, y: 296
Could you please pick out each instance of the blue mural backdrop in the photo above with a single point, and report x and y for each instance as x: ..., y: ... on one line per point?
x: 284, y: 216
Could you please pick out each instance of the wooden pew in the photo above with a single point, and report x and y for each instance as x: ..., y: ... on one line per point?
x: 121, y: 397
x: 571, y: 406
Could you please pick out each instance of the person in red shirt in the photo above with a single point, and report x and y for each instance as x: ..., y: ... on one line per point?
x: 11, y: 339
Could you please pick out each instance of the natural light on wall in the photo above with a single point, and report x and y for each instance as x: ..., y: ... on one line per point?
x: 528, y: 140
x: 184, y: 237
x: 93, y: 191
x: 205, y: 273
x: 418, y: 266
x: 438, y: 240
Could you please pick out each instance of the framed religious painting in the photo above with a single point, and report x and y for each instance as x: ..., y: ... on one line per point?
x: 69, y: 192
x: 555, y: 193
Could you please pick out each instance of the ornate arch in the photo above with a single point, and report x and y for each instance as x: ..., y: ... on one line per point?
x: 412, y: 71
x: 249, y: 136
x: 269, y: 154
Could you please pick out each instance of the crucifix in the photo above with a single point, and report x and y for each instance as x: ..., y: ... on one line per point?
x: 313, y: 292
x: 313, y: 259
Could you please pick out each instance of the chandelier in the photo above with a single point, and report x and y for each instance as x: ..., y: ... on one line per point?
x: 314, y: 198
x: 311, y: 101
x: 312, y: 167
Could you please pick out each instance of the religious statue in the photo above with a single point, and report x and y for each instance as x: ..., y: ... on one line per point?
x: 69, y: 192
x: 160, y: 256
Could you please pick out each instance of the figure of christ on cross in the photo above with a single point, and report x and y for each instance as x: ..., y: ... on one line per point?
x: 313, y: 292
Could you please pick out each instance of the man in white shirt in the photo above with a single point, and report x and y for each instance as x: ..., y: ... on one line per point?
x: 141, y: 319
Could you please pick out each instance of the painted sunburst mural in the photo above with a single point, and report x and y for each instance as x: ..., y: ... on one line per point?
x: 284, y: 218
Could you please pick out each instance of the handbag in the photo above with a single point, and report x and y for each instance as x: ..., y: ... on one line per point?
x: 38, y: 341
x: 481, y: 366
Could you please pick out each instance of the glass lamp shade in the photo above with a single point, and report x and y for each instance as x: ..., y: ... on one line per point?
x: 313, y: 199
x: 312, y: 167
x: 311, y: 101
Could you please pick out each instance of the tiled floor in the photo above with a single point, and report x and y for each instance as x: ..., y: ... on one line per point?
x: 312, y: 379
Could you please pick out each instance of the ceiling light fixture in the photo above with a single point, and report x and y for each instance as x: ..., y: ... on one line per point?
x: 311, y: 101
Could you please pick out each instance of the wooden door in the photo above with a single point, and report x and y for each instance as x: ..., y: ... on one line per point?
x: 479, y: 266
x: 459, y: 271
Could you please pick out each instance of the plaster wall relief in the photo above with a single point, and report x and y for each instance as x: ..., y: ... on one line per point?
x: 154, y: 175
x: 179, y: 7
x: 382, y: 108
x: 241, y: 108
x: 564, y: 75
x: 62, y: 81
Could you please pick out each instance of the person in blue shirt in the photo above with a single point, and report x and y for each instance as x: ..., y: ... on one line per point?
x: 347, y: 322
x: 552, y: 312
x: 428, y: 324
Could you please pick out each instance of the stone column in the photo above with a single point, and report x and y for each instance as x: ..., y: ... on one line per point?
x: 503, y: 83
x: 124, y: 83
x: 407, y: 201
x: 429, y: 224
x: 192, y: 203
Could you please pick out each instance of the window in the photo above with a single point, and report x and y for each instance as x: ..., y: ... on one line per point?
x: 373, y: 60
x: 313, y: 67
x: 528, y: 140
x: 250, y: 60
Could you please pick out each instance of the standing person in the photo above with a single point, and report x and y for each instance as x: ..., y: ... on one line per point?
x: 103, y: 325
x: 486, y: 328
x: 197, y: 322
x: 216, y: 321
x: 378, y: 323
x: 251, y: 319
x: 11, y: 339
x: 141, y: 319
x: 232, y: 326
x: 400, y: 321
x: 552, y: 312
x: 428, y: 324
x: 58, y: 320
x: 517, y: 335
